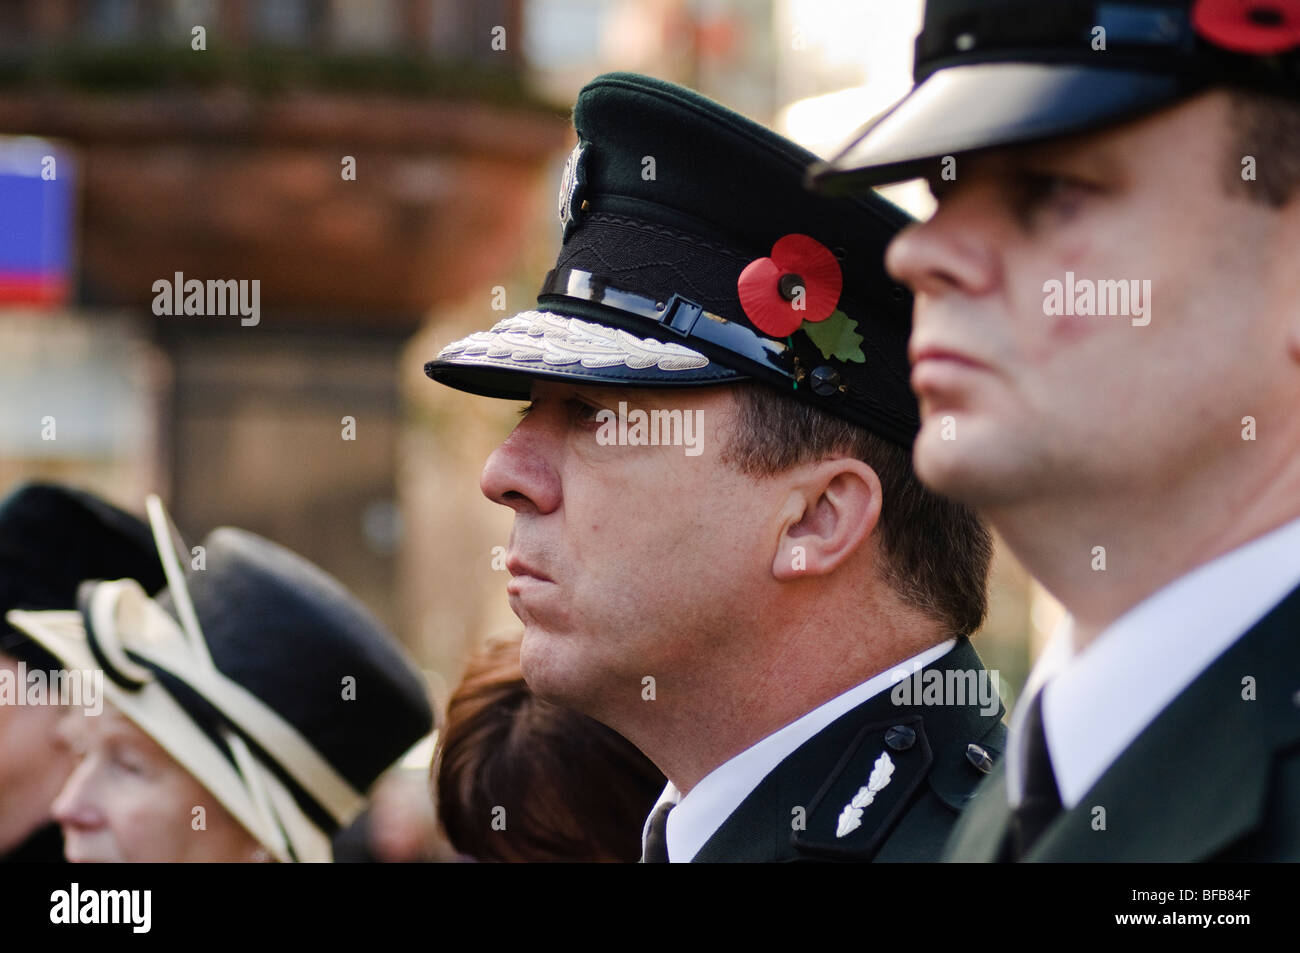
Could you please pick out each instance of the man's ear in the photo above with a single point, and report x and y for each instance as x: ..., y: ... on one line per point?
x: 832, y: 509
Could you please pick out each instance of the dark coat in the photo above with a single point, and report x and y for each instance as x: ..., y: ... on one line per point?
x: 793, y: 814
x: 1216, y: 776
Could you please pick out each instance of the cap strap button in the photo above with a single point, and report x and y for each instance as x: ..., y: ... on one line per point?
x: 825, y: 380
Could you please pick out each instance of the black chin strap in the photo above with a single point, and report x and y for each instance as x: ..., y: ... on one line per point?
x: 688, y: 321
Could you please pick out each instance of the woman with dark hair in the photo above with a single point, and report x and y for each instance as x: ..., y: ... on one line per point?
x: 520, y: 779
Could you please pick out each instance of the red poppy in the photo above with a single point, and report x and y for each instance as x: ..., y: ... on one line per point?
x: 1258, y: 27
x: 770, y: 288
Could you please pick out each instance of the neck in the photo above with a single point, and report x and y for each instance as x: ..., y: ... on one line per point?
x: 784, y: 673
x: 1150, y: 538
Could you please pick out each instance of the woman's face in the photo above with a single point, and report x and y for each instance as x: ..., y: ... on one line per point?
x: 127, y: 801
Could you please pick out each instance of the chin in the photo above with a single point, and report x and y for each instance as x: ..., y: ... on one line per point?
x: 944, y: 466
x: 970, y: 469
x: 83, y: 853
x: 555, y: 669
x: 544, y: 673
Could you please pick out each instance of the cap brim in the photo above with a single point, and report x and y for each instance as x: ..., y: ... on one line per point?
x: 984, y: 105
x: 62, y: 633
x: 504, y: 361
x: 23, y: 648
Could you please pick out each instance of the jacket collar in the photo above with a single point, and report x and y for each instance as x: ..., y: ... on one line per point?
x: 1195, y: 780
x: 793, y: 813
x: 1193, y: 783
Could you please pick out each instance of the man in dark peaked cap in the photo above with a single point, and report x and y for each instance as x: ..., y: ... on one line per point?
x: 51, y: 538
x: 1143, y: 461
x: 255, y: 687
x: 719, y: 547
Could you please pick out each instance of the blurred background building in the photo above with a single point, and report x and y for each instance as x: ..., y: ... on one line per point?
x: 228, y: 158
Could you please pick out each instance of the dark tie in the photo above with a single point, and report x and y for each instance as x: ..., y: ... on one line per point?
x: 656, y: 839
x: 1042, y: 798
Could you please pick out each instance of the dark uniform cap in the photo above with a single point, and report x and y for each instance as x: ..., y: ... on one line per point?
x: 997, y: 72
x: 51, y: 538
x: 674, y: 209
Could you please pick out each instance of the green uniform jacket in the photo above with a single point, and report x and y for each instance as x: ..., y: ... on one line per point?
x: 1215, y: 777
x: 794, y: 813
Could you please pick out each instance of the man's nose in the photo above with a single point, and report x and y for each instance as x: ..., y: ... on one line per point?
x: 952, y: 252
x: 520, y: 473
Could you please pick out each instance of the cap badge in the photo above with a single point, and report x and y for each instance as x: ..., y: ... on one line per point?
x: 1255, y: 27
x: 798, y: 288
x: 571, y: 185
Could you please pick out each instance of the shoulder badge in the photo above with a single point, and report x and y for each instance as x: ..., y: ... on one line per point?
x: 868, y: 791
x: 851, y: 817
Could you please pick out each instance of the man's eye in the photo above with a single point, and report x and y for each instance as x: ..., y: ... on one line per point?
x: 577, y: 411
x: 1044, y: 185
x: 581, y: 411
x: 1040, y: 191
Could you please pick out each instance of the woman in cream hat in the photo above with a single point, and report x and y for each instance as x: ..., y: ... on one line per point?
x: 250, y: 706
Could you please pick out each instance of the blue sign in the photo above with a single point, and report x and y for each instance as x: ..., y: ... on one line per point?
x: 37, y: 208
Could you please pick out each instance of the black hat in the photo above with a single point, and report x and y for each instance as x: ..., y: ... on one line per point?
x: 51, y: 538
x: 996, y: 72
x: 692, y: 255
x: 258, y: 673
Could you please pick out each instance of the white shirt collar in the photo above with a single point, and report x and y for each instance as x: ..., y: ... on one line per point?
x: 700, y: 813
x: 1099, y: 700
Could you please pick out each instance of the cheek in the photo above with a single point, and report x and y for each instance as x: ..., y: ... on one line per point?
x: 1063, y: 332
x: 1049, y: 338
x: 27, y: 737
x: 658, y: 521
x: 148, y: 819
x: 618, y: 511
x: 226, y: 835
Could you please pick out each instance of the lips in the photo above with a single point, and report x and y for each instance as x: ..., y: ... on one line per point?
x: 932, y: 352
x: 527, y: 585
x: 941, y: 376
x: 517, y: 567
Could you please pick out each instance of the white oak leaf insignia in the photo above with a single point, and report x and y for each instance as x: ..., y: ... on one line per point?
x: 539, y: 336
x: 851, y: 817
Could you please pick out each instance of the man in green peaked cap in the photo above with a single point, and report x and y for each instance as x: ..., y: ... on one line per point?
x: 719, y: 546
x: 1108, y: 316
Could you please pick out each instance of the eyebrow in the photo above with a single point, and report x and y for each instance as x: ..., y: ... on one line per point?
x: 1099, y: 158
x: 79, y: 736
